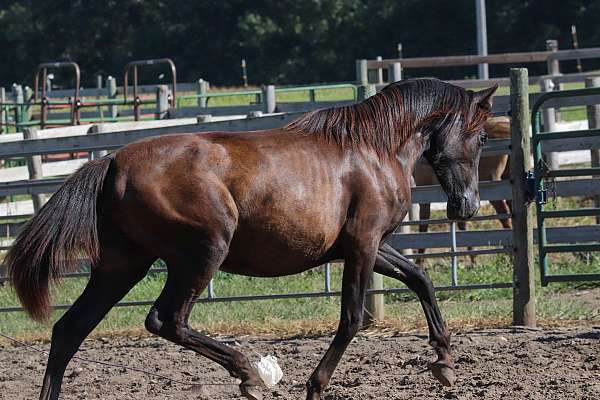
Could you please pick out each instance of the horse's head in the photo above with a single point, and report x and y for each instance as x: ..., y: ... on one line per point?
x: 455, y: 144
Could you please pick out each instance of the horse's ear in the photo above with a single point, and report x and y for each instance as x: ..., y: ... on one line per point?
x: 483, y: 98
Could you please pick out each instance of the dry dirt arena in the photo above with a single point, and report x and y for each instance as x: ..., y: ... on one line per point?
x: 491, y: 364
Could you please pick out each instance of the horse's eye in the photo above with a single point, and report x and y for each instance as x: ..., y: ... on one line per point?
x: 483, y: 137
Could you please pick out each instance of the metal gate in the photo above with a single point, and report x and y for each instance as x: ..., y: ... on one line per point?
x: 543, y: 173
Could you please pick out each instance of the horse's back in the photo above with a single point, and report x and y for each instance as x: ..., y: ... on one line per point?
x: 275, y: 199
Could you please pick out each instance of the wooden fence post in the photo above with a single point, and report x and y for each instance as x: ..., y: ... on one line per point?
x: 111, y: 93
x: 520, y: 162
x: 549, y: 119
x: 374, y: 304
x: 554, y: 67
x: 365, y: 91
x: 203, y: 87
x: 27, y: 98
x: 17, y: 93
x: 395, y: 72
x: 97, y: 129
x: 362, y: 72
x: 380, y: 72
x: 34, y: 166
x: 99, y: 83
x: 269, y: 99
x: 593, y: 117
x: 162, y: 101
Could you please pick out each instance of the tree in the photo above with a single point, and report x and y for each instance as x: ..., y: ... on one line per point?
x: 284, y: 41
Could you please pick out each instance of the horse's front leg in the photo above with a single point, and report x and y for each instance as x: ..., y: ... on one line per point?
x: 359, y: 260
x: 394, y: 265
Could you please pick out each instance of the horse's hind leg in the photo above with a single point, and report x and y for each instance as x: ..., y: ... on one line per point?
x: 502, y: 207
x: 188, y: 277
x: 392, y: 264
x: 121, y: 266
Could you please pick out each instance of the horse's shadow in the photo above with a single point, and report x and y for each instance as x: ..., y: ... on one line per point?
x: 590, y: 335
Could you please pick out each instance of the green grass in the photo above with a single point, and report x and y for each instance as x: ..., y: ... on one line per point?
x: 290, y: 315
x: 334, y: 94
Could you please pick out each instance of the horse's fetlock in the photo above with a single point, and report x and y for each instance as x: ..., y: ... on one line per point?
x: 240, y: 362
x: 152, y: 323
x: 317, y: 382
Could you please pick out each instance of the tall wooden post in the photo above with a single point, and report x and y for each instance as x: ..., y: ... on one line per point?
x: 34, y: 166
x: 593, y: 117
x: 520, y: 162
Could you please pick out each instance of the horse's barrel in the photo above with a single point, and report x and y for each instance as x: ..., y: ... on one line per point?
x: 497, y: 127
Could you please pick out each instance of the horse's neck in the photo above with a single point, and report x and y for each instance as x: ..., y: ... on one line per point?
x: 417, y: 141
x: 411, y: 151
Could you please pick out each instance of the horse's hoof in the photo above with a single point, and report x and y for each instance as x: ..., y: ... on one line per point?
x: 443, y: 373
x: 251, y: 392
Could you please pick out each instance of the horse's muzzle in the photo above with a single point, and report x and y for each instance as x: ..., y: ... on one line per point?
x: 462, y: 207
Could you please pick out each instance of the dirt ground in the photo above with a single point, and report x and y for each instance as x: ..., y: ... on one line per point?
x: 491, y: 364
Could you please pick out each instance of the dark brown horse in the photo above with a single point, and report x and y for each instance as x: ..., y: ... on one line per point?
x: 331, y: 185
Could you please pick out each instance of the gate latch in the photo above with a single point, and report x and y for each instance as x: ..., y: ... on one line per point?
x: 532, y: 193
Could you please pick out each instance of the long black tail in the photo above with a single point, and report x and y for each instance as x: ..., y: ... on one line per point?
x: 50, y: 243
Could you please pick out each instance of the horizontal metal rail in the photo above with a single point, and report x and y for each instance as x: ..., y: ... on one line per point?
x: 279, y: 296
x: 566, y: 135
x: 462, y: 253
x: 559, y: 173
x: 581, y: 212
x: 155, y: 271
x: 572, y: 278
x: 85, y: 274
x: 440, y: 221
x: 570, y: 248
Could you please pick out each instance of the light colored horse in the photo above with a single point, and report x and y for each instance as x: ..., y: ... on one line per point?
x: 491, y: 168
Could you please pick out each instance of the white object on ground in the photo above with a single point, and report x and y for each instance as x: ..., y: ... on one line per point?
x: 269, y: 371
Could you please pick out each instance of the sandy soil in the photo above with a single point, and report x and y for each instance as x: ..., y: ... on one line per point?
x: 491, y: 364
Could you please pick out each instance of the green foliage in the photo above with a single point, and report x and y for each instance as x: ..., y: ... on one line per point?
x: 285, y: 41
